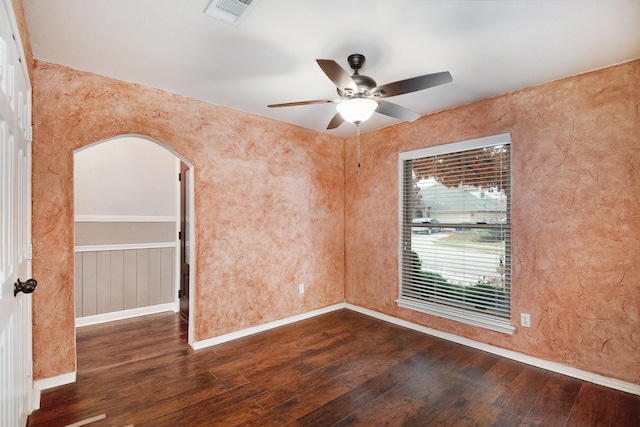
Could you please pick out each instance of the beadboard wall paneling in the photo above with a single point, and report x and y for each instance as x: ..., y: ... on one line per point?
x: 116, y: 280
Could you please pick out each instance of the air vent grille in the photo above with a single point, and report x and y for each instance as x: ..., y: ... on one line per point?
x: 230, y: 11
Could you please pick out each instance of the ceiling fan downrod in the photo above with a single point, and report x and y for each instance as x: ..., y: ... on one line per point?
x: 364, y: 83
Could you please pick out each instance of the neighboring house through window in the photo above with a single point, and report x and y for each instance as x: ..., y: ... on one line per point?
x: 455, y: 225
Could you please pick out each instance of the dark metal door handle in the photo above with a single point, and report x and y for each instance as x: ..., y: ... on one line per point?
x: 26, y: 287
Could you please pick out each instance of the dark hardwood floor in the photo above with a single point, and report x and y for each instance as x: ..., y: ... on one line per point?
x: 338, y: 369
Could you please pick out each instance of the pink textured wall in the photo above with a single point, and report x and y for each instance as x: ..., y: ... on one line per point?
x: 18, y: 9
x: 576, y: 217
x: 270, y: 200
x: 269, y: 205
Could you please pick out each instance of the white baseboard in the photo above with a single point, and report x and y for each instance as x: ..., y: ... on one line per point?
x: 559, y: 368
x: 124, y: 314
x: 198, y: 345
x: 518, y: 357
x: 46, y: 383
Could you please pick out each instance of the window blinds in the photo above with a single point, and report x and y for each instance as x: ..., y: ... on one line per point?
x: 455, y: 255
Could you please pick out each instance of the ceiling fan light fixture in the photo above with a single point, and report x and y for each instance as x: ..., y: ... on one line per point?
x: 357, y: 110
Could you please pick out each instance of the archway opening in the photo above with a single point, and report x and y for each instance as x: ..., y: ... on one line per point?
x: 130, y: 218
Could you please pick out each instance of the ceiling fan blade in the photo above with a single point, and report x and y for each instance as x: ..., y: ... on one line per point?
x: 337, y: 74
x: 294, y: 104
x: 336, y: 121
x: 412, y: 85
x: 396, y: 111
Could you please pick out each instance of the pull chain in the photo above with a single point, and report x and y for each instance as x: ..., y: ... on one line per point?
x: 358, y: 146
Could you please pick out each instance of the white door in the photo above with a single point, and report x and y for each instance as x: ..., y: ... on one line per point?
x: 15, y: 226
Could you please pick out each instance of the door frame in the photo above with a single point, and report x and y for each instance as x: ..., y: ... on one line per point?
x: 184, y: 239
x: 192, y: 256
x: 188, y: 171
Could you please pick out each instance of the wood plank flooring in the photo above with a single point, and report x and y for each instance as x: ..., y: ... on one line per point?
x: 338, y: 369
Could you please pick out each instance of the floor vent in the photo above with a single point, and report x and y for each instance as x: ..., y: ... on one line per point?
x: 230, y: 11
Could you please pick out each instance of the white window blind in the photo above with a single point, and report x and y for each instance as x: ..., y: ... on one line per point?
x: 455, y: 219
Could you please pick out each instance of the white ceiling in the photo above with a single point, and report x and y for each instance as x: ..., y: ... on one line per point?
x: 489, y: 47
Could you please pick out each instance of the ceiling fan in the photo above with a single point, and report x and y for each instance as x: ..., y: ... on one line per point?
x: 360, y: 96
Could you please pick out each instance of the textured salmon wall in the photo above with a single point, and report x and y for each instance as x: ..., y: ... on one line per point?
x: 269, y: 205
x: 576, y: 217
x: 18, y: 9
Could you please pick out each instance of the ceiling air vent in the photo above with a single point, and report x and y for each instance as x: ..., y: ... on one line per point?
x: 230, y: 11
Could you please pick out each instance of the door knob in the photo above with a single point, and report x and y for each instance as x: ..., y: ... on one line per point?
x: 26, y: 287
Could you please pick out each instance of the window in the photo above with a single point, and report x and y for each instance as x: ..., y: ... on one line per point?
x: 455, y: 227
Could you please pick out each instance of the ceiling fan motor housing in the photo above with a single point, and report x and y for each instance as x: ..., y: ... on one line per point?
x: 364, y: 82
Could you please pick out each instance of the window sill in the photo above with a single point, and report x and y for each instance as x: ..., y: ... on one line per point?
x: 459, y: 315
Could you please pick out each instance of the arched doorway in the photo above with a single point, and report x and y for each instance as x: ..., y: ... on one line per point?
x: 130, y: 228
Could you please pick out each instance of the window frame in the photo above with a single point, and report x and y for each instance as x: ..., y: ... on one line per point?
x: 405, y: 217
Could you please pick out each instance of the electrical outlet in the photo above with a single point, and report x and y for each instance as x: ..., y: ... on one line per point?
x: 301, y: 288
x: 525, y: 320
